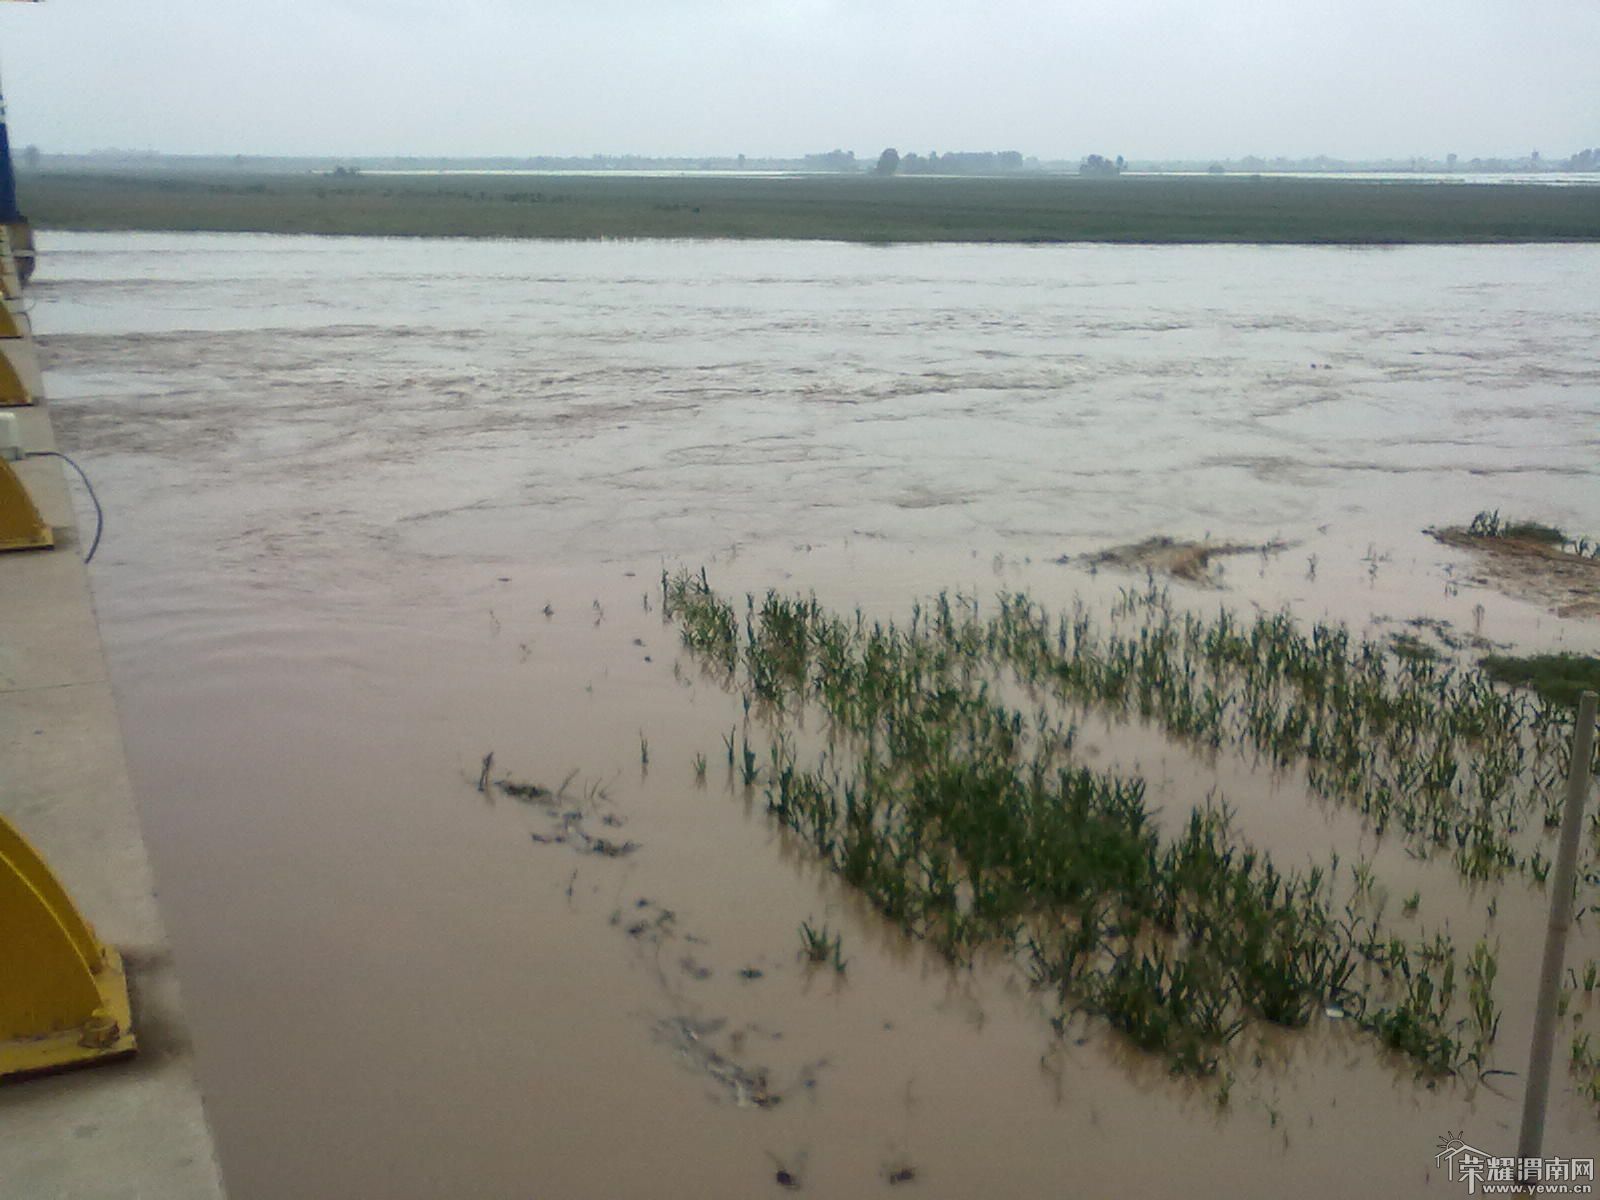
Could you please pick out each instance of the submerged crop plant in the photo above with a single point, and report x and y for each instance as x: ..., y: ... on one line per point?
x: 961, y: 814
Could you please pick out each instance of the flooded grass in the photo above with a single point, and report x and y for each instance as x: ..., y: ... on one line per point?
x: 1488, y: 524
x: 1034, y: 209
x: 1559, y: 678
x: 946, y: 791
x: 1431, y: 753
x: 818, y: 946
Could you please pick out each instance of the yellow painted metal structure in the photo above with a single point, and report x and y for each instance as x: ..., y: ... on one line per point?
x: 21, y: 528
x: 14, y: 392
x: 10, y: 280
x: 63, y: 994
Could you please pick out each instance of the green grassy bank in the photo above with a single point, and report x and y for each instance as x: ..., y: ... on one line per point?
x: 860, y: 208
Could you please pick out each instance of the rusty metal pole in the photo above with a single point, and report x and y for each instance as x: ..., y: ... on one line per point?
x: 1555, y: 942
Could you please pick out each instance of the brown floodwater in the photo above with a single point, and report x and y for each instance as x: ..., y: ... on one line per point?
x: 345, y: 479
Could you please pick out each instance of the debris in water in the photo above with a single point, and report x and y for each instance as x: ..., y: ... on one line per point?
x: 566, y: 826
x: 525, y: 792
x: 789, y: 1170
x: 653, y: 929
x: 1186, y: 560
x: 688, y: 1038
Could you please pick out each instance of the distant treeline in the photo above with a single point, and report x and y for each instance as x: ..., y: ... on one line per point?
x: 959, y: 162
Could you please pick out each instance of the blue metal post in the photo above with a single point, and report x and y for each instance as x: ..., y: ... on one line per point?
x: 8, y: 177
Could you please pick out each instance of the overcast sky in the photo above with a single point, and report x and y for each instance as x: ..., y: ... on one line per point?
x: 1143, y: 78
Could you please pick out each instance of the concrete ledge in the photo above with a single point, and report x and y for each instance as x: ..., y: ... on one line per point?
x: 125, y: 1131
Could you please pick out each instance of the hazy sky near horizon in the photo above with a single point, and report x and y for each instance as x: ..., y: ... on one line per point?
x: 1148, y: 79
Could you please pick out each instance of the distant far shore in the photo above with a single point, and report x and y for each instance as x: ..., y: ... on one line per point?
x: 854, y: 208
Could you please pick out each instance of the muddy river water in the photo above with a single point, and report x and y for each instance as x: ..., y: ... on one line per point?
x: 378, y: 508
